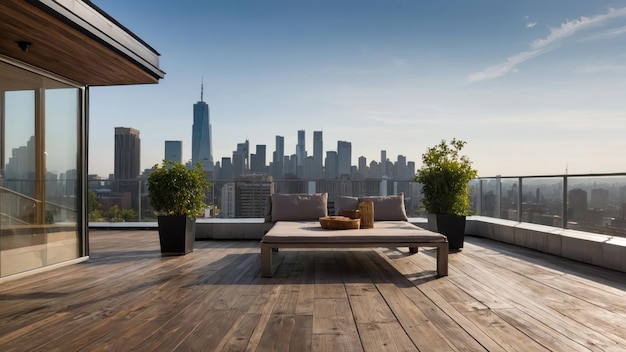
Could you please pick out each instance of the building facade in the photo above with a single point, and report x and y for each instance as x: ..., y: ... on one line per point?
x: 174, y: 151
x: 344, y: 159
x: 201, y: 139
x: 127, y: 153
x: 318, y: 155
x: 44, y: 107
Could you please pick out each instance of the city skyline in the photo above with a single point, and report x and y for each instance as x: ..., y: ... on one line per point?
x: 515, y: 80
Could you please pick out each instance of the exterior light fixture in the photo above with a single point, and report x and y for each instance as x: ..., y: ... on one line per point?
x: 24, y: 45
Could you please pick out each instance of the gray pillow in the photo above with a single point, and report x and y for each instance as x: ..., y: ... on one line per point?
x: 299, y: 207
x: 388, y: 208
x: 345, y: 202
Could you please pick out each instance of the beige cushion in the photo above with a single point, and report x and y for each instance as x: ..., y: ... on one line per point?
x: 383, y: 232
x: 388, y: 208
x: 299, y: 207
x: 345, y: 202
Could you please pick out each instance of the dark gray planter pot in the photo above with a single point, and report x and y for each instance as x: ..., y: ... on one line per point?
x: 176, y: 234
x: 453, y: 226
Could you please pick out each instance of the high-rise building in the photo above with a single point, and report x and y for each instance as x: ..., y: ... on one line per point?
x: 383, y: 163
x: 577, y: 204
x: 257, y: 160
x: 278, y: 160
x: 410, y: 169
x: 318, y: 154
x: 238, y: 164
x: 174, y: 151
x: 244, y: 150
x: 127, y: 153
x: 241, y: 159
x: 227, y: 208
x: 344, y: 159
x: 227, y: 169
x: 300, y: 153
x: 301, y: 148
x: 363, y: 165
x: 201, y: 139
x: 251, y: 193
x: 330, y: 165
x: 309, y: 169
x: 401, y: 168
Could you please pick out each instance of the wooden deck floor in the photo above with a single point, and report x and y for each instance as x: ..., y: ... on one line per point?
x: 497, y: 298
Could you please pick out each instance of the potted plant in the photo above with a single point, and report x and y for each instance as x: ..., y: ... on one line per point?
x: 177, y: 195
x: 445, y: 176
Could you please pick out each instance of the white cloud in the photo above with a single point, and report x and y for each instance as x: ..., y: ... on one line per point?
x: 569, y: 28
x: 529, y: 23
x: 505, y: 67
x: 543, y: 45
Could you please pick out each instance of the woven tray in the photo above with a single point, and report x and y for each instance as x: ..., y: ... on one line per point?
x: 339, y: 223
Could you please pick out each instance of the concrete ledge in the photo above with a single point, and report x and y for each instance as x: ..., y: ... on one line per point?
x: 601, y: 250
x: 231, y: 229
x: 206, y: 229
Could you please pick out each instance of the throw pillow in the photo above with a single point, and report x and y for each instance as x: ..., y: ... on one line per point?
x: 388, y: 208
x: 299, y: 207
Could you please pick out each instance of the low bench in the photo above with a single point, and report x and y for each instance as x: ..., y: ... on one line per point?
x: 309, y: 234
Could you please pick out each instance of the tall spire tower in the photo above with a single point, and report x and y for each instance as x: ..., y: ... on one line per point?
x: 201, y: 138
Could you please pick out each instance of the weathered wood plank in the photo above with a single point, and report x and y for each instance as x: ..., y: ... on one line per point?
x: 390, y: 336
x: 497, y: 297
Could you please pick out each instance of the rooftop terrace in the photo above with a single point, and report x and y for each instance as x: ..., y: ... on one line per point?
x: 498, y: 297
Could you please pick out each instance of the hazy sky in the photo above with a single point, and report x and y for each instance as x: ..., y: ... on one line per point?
x: 534, y: 87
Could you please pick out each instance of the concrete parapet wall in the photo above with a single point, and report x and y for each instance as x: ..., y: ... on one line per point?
x: 601, y: 250
x: 231, y: 229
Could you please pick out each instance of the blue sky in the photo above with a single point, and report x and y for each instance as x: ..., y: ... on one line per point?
x: 534, y: 87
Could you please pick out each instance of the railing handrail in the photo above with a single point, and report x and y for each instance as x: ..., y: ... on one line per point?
x: 608, y: 174
x: 21, y: 195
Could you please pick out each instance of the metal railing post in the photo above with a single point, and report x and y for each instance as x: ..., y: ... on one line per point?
x: 519, y: 199
x: 564, y: 210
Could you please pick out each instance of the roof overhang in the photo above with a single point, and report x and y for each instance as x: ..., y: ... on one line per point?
x: 77, y: 40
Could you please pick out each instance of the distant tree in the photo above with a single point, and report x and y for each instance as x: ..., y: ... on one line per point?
x: 115, y: 214
x: 94, y: 207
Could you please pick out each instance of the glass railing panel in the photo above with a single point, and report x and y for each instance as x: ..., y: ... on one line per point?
x: 128, y: 200
x: 542, y: 200
x: 490, y: 197
x: 509, y: 198
x: 475, y: 197
x: 597, y: 204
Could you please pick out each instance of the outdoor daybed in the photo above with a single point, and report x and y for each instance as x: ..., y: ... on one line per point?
x: 296, y: 225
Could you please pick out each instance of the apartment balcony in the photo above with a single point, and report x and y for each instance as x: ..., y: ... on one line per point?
x: 498, y: 297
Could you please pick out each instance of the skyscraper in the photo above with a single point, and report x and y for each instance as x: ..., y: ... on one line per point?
x: 244, y: 149
x: 127, y: 153
x: 278, y: 160
x: 301, y: 148
x: 401, y: 169
x: 318, y: 151
x: 174, y: 151
x: 331, y: 165
x: 300, y: 153
x: 257, y: 160
x: 201, y: 139
x: 344, y: 159
x: 383, y: 163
